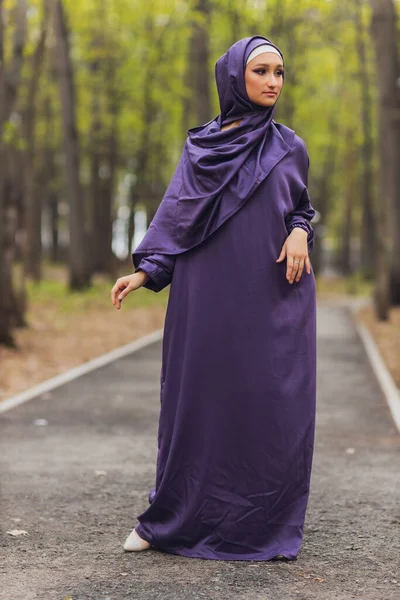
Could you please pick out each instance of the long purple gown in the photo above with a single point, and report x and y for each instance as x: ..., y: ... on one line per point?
x: 238, y: 385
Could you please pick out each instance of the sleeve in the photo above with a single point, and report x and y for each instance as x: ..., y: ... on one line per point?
x: 301, y: 217
x: 303, y: 213
x: 159, y: 268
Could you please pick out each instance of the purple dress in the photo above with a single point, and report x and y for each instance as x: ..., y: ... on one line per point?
x: 238, y: 380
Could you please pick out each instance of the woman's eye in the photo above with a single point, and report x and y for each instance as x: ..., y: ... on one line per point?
x: 263, y: 71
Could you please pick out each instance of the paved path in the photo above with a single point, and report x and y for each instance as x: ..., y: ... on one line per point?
x: 77, y: 520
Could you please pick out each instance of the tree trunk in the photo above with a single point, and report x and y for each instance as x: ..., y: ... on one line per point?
x: 104, y: 164
x: 384, y: 37
x: 131, y: 224
x: 48, y: 183
x: 349, y: 196
x: 321, y: 192
x: 33, y: 203
x: 235, y: 20
x: 5, y: 278
x: 368, y: 230
x: 108, y: 262
x: 78, y: 256
x: 141, y: 190
x: 10, y: 77
x: 200, y: 57
x: 197, y: 107
x: 96, y: 150
x: 286, y: 110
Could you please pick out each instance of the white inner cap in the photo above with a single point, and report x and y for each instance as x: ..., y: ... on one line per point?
x: 261, y: 50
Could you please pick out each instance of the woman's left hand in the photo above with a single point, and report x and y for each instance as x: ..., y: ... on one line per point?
x: 296, y: 250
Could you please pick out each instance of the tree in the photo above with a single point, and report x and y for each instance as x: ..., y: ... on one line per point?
x: 33, y: 203
x: 197, y: 108
x: 368, y: 229
x: 384, y: 35
x: 79, y: 256
x: 10, y: 79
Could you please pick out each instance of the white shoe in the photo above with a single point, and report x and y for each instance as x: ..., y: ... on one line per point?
x: 134, y: 543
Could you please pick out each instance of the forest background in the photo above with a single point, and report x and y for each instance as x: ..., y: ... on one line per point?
x: 96, y: 98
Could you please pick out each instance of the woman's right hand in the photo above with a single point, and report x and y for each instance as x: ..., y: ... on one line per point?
x: 126, y: 284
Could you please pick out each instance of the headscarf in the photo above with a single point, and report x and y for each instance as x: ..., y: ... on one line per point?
x: 218, y: 170
x: 260, y: 49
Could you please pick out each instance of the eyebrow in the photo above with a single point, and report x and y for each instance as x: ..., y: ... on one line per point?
x: 266, y: 65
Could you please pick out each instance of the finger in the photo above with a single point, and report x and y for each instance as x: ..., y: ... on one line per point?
x: 114, y: 292
x: 124, y: 293
x: 117, y: 287
x: 300, y: 270
x: 282, y: 254
x: 294, y: 271
x: 308, y: 265
x: 290, y: 267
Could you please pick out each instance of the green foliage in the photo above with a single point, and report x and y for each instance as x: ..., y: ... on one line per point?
x: 51, y: 292
x: 11, y: 136
x: 354, y: 284
x: 130, y: 58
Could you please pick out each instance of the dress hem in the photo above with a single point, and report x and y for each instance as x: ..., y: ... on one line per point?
x: 222, y: 556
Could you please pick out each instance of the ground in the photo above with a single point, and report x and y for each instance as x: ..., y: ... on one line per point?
x: 76, y: 485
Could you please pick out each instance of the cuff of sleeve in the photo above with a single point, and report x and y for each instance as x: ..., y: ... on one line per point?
x: 306, y: 225
x: 158, y: 279
x: 303, y: 226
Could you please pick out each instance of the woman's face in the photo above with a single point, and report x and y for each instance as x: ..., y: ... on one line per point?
x: 264, y: 78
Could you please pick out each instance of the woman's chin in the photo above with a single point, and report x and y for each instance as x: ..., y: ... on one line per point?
x: 265, y: 101
x: 269, y: 101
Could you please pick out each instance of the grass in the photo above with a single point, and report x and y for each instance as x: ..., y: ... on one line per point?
x: 353, y: 285
x: 53, y: 290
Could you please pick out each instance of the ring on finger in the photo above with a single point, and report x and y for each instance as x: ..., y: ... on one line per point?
x: 300, y: 267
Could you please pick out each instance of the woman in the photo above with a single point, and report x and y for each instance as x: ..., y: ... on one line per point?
x: 238, y: 377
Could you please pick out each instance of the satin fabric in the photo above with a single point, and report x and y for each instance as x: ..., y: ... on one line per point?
x: 218, y: 169
x: 238, y: 375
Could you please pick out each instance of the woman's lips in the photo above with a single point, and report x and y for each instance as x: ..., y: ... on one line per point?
x: 270, y: 93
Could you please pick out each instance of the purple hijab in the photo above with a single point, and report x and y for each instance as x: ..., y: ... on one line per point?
x: 218, y: 170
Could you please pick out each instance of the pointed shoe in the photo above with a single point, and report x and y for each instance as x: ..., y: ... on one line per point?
x: 134, y: 543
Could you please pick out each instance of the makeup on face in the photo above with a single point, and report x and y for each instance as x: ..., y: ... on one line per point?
x: 264, y: 78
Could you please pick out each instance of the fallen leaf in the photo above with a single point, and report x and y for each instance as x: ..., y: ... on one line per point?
x: 16, y: 532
